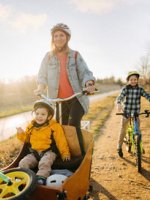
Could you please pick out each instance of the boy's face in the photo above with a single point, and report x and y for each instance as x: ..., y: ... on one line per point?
x: 133, y: 80
x: 41, y: 115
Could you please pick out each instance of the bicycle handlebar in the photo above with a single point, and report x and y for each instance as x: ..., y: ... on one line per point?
x: 58, y: 100
x: 146, y: 112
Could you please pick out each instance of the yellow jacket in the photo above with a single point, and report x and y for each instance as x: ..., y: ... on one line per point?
x: 40, y: 138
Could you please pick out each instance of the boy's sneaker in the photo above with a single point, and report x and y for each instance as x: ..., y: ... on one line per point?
x: 120, y: 153
x: 41, y: 180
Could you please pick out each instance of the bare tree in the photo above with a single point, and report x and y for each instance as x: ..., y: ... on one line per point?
x: 145, y: 68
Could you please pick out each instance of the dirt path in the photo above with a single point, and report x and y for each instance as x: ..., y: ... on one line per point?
x: 115, y: 178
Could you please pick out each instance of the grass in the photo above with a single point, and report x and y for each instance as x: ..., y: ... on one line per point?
x: 145, y: 123
x: 9, y: 150
x: 12, y: 111
x: 99, y: 112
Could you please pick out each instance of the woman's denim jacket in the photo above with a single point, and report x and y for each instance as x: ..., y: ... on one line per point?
x: 78, y: 74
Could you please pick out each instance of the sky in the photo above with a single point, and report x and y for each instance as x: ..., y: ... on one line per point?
x: 111, y: 35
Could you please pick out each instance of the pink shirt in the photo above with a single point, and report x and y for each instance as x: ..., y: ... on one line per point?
x: 65, y: 89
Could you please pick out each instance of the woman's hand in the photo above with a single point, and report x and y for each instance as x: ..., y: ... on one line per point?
x: 90, y: 87
x: 40, y: 89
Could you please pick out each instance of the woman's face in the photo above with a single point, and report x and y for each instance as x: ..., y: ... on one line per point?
x: 59, y: 39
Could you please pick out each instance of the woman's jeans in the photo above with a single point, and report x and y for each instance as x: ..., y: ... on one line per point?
x: 72, y: 113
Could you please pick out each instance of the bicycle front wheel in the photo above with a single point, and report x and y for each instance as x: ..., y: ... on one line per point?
x: 138, y: 152
x: 23, y: 182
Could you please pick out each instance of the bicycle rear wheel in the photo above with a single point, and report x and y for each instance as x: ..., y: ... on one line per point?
x: 138, y: 152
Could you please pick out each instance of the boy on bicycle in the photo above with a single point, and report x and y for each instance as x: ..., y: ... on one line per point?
x: 44, y: 137
x: 129, y: 101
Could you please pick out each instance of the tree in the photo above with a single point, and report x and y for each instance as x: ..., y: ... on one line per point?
x: 145, y: 69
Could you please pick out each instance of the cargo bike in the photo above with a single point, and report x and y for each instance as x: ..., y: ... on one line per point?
x: 20, y: 184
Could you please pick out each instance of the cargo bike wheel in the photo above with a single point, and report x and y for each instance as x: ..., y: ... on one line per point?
x: 17, y: 184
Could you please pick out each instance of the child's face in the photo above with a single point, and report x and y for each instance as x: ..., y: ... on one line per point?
x: 41, y: 115
x: 133, y: 80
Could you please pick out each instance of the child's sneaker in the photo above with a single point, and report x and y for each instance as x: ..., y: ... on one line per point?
x: 120, y: 153
x: 41, y: 180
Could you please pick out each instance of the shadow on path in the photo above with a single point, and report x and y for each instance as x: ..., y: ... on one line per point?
x: 98, y: 189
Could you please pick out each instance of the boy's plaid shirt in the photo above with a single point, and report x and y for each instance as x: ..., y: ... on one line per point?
x: 131, y: 98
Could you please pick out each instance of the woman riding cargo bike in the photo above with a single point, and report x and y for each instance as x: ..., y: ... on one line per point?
x: 63, y: 72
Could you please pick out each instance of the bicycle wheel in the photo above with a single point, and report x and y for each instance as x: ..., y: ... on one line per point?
x: 138, y: 152
x: 23, y: 182
x: 128, y: 142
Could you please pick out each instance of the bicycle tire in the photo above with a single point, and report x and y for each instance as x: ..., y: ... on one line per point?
x: 23, y: 183
x: 138, y: 153
x: 128, y: 142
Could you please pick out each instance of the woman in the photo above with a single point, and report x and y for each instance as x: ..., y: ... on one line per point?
x: 64, y: 72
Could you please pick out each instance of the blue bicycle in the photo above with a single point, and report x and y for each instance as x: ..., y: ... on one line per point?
x: 133, y: 138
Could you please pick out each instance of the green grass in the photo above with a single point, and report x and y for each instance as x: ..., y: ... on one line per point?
x: 13, y: 111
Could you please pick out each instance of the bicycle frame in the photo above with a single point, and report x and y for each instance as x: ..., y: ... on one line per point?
x: 133, y: 131
x: 5, y: 178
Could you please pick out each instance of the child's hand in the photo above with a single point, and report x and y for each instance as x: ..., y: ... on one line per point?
x: 19, y: 130
x: 119, y: 107
x: 66, y: 159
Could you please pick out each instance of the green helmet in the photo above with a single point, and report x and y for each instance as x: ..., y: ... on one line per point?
x: 44, y: 103
x: 133, y: 73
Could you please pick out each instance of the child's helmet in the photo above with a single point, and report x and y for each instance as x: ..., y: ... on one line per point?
x: 44, y: 103
x: 133, y: 73
x: 62, y: 27
x: 56, y: 180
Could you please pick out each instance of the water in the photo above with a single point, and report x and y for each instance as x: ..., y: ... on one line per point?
x: 8, y: 125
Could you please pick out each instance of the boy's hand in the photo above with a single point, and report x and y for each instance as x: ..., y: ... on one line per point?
x: 66, y: 159
x: 19, y: 130
x: 119, y: 107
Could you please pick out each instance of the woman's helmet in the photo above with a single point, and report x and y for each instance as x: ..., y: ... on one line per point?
x: 62, y: 27
x: 133, y: 73
x: 56, y: 180
x: 44, y: 103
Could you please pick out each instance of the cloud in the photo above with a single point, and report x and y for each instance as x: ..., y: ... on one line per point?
x: 103, y: 6
x: 21, y: 21
x: 5, y: 11
x: 25, y: 21
x: 95, y: 6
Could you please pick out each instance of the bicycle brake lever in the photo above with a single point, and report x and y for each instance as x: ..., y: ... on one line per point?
x: 147, y: 113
